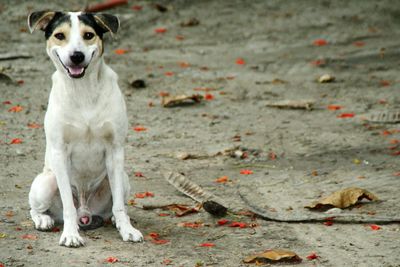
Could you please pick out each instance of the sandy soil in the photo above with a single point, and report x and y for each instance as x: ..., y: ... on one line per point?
x: 316, y: 152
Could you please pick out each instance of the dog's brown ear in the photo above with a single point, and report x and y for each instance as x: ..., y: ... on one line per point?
x: 109, y: 23
x: 40, y: 19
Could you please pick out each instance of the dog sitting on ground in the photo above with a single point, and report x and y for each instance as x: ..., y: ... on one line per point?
x: 83, y: 181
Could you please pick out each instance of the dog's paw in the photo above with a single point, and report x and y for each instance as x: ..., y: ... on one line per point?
x: 129, y: 233
x: 43, y: 222
x: 73, y: 240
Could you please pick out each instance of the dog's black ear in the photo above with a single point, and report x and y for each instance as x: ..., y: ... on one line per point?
x: 109, y: 23
x: 40, y: 20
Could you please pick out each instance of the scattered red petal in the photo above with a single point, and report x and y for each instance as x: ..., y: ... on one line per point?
x: 55, y: 229
x: 222, y: 222
x: 20, y: 82
x: 345, y: 115
x: 160, y: 30
x: 396, y: 173
x: 328, y: 223
x: 111, y: 259
x: 16, y: 141
x: 246, y: 172
x: 359, y: 43
x: 169, y: 73
x: 382, y: 101
x: 318, y: 62
x: 34, y: 125
x: 207, y: 245
x: 320, y: 42
x: 183, y: 64
x: 154, y: 235
x: 17, y: 108
x: 191, y: 224
x: 312, y: 256
x: 397, y: 153
x: 144, y: 195
x: 139, y: 129
x: 334, y: 107
x: 139, y: 174
x: 394, y: 141
x: 29, y: 237
x: 167, y: 262
x: 17, y: 229
x: 240, y: 61
x: 121, y: 51
x: 238, y: 224
x: 179, y: 37
x: 136, y: 7
x: 375, y: 227
x: 7, y: 102
x: 222, y: 179
x: 163, y: 94
x: 209, y: 97
x: 384, y: 83
x: 163, y: 214
x: 159, y: 241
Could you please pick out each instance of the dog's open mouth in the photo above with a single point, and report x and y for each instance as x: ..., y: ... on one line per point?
x: 74, y: 71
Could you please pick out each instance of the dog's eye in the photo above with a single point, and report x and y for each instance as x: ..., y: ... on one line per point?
x: 59, y: 36
x: 88, y: 35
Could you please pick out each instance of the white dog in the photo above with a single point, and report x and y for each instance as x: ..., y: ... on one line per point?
x: 83, y: 181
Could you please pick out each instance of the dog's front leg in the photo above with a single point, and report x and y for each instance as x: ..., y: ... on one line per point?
x: 70, y: 236
x: 119, y: 185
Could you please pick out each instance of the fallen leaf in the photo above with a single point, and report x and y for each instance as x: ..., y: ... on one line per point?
x: 181, y: 209
x: 16, y: 141
x: 320, y: 42
x: 343, y: 198
x: 222, y: 179
x: 155, y: 238
x: 17, y: 108
x: 3, y: 235
x: 121, y: 51
x: 334, y: 107
x: 246, y: 172
x: 29, y: 237
x: 160, y: 30
x: 292, y: 104
x: 139, y: 129
x: 273, y: 256
x: 144, y: 195
x: 207, y: 245
x: 345, y: 115
x: 240, y: 61
x: 326, y: 78
x: 375, y: 227
x: 183, y: 64
x: 111, y: 259
x: 312, y: 256
x: 172, y: 101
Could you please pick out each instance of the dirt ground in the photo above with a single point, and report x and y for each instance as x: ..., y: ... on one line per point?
x: 249, y: 54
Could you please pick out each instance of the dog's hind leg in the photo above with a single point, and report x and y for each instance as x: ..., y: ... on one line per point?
x: 41, y: 195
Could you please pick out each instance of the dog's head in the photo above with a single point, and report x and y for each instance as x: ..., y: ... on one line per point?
x: 74, y: 39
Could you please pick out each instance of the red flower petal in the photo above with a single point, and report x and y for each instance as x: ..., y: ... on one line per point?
x: 320, y: 42
x: 222, y: 222
x: 246, y: 172
x: 328, y: 223
x: 111, y: 259
x: 209, y: 97
x: 139, y: 129
x: 29, y: 237
x: 375, y: 227
x: 222, y: 179
x: 334, y: 107
x: 159, y: 241
x: 169, y: 73
x: 163, y: 214
x: 154, y: 235
x: 34, y: 125
x: 312, y: 256
x: 121, y: 51
x: 136, y: 8
x: 207, y: 245
x: 240, y: 61
x: 272, y: 156
x: 345, y: 115
x: 139, y: 174
x: 384, y: 83
x: 318, y: 62
x: 359, y: 43
x: 160, y: 30
x: 7, y: 102
x: 179, y: 37
x: 238, y: 224
x: 17, y: 108
x: 16, y: 141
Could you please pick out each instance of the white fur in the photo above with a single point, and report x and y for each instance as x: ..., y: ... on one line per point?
x: 86, y: 125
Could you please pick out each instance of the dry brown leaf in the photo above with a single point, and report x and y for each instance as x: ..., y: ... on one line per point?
x: 343, y: 198
x: 293, y: 104
x: 273, y: 256
x: 172, y: 101
x: 181, y: 209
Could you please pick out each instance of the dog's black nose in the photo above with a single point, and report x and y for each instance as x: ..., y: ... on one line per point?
x: 77, y: 57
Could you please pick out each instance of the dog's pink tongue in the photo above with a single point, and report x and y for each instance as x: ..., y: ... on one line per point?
x: 84, y: 219
x: 75, y: 70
